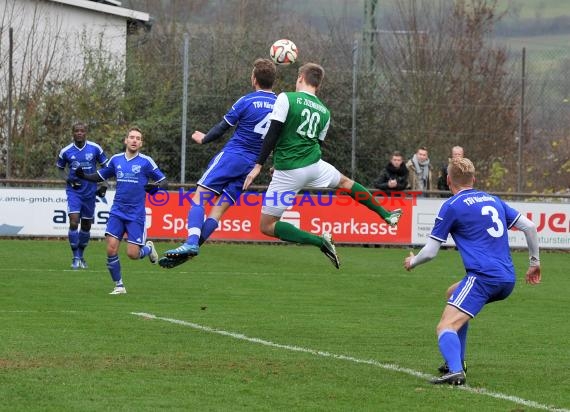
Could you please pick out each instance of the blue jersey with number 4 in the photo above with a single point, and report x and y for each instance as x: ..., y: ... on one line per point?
x: 250, y: 115
x: 478, y: 223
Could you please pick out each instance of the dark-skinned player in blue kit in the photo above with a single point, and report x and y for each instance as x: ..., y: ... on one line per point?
x: 81, y: 196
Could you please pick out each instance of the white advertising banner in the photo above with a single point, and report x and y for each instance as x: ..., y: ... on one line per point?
x: 43, y: 212
x: 552, y: 220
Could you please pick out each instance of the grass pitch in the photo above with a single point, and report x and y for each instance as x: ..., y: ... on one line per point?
x: 261, y: 327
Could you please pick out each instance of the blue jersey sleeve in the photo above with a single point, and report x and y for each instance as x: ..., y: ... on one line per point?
x: 511, y: 215
x: 102, y: 158
x: 443, y: 223
x: 153, y: 172
x: 233, y: 115
x: 108, y: 171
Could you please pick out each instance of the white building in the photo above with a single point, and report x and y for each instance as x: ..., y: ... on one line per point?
x: 50, y: 37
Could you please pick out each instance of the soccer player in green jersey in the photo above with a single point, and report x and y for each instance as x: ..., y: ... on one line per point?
x: 299, y: 124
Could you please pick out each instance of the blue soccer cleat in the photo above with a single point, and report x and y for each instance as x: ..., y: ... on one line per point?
x: 83, y: 264
x: 183, y: 251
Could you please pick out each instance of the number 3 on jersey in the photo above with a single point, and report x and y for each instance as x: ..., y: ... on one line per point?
x: 499, y: 229
x: 309, y: 126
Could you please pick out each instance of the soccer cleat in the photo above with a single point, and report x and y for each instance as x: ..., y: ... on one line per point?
x: 182, y: 251
x: 83, y: 264
x: 153, y: 255
x: 394, y: 217
x: 451, y: 378
x: 329, y: 249
x: 76, y: 263
x: 444, y: 369
x: 118, y: 290
x: 169, y: 263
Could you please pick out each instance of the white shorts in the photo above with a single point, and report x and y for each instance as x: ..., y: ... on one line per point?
x: 285, y: 184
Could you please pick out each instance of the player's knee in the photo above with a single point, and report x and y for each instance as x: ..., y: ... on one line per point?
x: 267, y: 229
x: 345, y: 183
x: 133, y: 254
x: 450, y: 290
x: 441, y: 327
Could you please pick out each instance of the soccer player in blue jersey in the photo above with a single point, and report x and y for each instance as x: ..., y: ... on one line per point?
x: 136, y: 175
x: 222, y: 182
x: 478, y: 223
x: 80, y: 195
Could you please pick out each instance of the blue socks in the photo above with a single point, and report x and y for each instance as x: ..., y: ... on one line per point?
x: 209, y: 226
x: 144, y: 251
x: 73, y: 236
x: 195, y: 222
x: 450, y: 348
x: 114, y: 267
x: 462, y: 334
x: 82, y: 242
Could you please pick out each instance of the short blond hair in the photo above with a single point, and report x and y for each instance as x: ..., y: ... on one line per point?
x: 461, y: 171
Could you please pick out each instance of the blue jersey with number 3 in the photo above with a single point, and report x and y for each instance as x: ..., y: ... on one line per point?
x: 250, y: 115
x: 478, y: 223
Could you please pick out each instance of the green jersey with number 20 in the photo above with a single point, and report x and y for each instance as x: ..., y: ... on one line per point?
x: 306, y: 121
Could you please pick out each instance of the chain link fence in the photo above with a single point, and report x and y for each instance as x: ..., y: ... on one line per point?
x: 530, y: 155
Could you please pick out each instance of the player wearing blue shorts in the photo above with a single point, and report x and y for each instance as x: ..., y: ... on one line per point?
x: 478, y: 223
x: 80, y: 195
x: 134, y: 171
x: 221, y: 184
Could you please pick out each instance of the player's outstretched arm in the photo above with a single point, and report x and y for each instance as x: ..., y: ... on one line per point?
x: 213, y: 134
x: 527, y: 226
x: 427, y: 253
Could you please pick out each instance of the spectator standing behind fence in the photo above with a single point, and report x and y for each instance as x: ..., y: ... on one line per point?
x: 456, y: 153
x: 394, y: 177
x: 419, y: 168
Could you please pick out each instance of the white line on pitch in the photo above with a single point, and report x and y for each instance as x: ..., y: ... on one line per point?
x: 387, y: 366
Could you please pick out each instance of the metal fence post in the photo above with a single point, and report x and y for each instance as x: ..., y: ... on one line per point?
x: 184, y: 110
x: 354, y: 102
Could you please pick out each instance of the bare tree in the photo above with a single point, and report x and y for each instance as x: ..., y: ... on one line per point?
x: 440, y: 82
x: 34, y: 54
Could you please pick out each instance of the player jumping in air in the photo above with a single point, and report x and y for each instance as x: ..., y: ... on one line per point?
x: 221, y: 184
x: 299, y: 124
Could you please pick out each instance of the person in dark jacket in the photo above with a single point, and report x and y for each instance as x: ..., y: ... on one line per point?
x: 394, y: 177
x: 457, y: 152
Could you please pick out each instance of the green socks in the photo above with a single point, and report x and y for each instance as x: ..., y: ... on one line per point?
x: 288, y: 232
x: 363, y: 196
